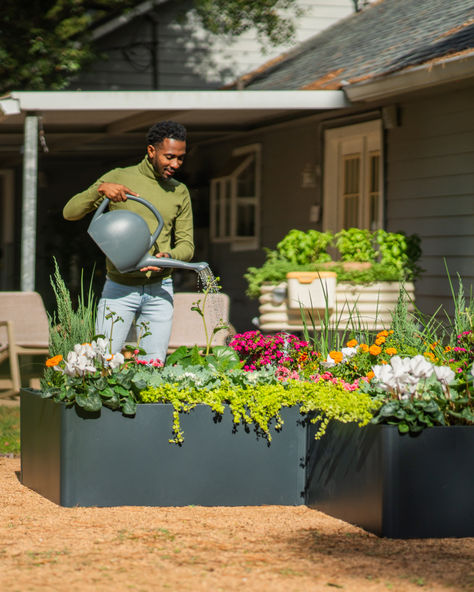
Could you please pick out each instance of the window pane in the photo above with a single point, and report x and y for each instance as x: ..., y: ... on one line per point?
x: 227, y: 189
x: 246, y: 181
x: 245, y: 220
x: 374, y: 190
x: 351, y: 191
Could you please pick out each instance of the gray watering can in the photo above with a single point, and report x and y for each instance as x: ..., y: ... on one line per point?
x: 125, y: 239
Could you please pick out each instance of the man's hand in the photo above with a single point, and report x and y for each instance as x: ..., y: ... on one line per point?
x: 115, y: 191
x: 152, y: 268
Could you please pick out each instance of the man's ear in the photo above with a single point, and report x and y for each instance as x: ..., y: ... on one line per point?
x: 151, y: 150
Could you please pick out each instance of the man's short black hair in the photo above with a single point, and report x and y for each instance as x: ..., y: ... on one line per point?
x: 165, y: 129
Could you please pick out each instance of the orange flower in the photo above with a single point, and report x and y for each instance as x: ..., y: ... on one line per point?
x: 391, y: 351
x: 370, y: 375
x: 54, y: 361
x: 375, y: 350
x: 383, y: 362
x: 429, y: 355
x: 352, y: 343
x: 390, y: 332
x: 382, y: 333
x: 336, y: 356
x: 364, y: 347
x: 380, y: 340
x: 447, y: 348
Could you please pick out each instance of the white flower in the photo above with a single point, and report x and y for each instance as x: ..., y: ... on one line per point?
x: 348, y: 352
x: 384, y: 376
x: 444, y: 374
x: 420, y: 367
x: 101, y: 349
x: 329, y: 363
x: 116, y: 360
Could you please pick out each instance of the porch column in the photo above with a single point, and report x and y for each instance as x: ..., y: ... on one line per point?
x: 28, y: 225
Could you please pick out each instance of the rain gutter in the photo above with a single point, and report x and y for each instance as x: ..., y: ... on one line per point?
x: 431, y: 74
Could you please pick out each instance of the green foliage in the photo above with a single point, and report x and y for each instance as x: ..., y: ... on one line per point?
x: 273, y: 270
x: 45, y: 43
x: 254, y: 398
x: 116, y: 389
x: 221, y: 358
x: 355, y: 244
x: 269, y: 18
x: 9, y: 430
x: 436, y: 406
x: 305, y: 247
x: 393, y: 257
x: 70, y: 325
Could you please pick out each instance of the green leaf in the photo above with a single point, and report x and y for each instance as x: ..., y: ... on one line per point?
x: 89, y: 401
x: 129, y: 407
x: 113, y: 402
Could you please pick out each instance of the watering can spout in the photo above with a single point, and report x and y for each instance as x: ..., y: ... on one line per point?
x: 125, y: 239
x: 150, y: 261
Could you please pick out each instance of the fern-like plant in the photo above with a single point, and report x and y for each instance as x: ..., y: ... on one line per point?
x: 69, y: 324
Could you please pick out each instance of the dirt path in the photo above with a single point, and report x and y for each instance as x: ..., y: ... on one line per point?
x: 271, y: 548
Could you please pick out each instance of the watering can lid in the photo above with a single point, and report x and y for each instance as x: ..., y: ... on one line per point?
x: 306, y: 277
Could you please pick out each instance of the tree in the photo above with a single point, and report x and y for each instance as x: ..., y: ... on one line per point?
x: 45, y: 43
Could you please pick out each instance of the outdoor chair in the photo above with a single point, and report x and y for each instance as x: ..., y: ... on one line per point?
x: 24, y: 329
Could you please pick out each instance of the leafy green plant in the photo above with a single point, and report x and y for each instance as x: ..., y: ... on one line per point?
x: 69, y: 324
x: 90, y: 377
x: 356, y: 244
x: 199, y: 307
x: 221, y: 357
x: 254, y: 398
x: 392, y: 257
x: 400, y: 251
x: 305, y: 247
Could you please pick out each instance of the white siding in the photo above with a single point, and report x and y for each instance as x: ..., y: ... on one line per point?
x: 188, y: 57
x: 430, y: 188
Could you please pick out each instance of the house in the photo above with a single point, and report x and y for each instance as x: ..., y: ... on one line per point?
x: 162, y: 45
x: 335, y: 132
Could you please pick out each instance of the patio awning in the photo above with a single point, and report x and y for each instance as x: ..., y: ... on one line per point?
x: 116, y: 121
x: 90, y: 121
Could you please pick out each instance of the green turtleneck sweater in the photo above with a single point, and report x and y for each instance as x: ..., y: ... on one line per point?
x: 171, y: 199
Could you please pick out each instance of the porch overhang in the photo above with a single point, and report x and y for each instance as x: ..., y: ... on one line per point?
x: 97, y: 120
x: 87, y: 122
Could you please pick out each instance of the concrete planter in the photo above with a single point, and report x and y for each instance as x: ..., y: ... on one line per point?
x: 370, y: 306
x: 394, y: 485
x: 106, y: 459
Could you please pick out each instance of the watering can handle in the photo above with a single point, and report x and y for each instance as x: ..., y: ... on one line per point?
x: 151, y: 207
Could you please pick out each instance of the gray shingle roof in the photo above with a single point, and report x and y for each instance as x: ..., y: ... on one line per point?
x: 388, y: 36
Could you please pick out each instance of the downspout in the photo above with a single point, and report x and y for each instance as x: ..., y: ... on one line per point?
x: 29, y: 201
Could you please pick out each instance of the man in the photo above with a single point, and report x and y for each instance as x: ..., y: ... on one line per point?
x: 146, y: 294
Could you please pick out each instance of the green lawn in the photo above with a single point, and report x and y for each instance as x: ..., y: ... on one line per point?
x: 9, y: 429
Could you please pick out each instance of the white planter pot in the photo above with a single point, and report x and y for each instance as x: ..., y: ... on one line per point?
x: 360, y: 306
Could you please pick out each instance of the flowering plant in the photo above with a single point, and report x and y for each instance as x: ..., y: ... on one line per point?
x: 417, y: 393
x: 280, y: 350
x: 91, y: 377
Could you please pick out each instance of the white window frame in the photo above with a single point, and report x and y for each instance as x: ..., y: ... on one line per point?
x: 363, y: 140
x: 218, y: 202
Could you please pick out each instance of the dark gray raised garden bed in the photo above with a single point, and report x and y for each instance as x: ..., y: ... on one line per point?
x: 397, y: 486
x: 106, y: 459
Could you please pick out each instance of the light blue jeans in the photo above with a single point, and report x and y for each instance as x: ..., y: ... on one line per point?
x: 151, y: 304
